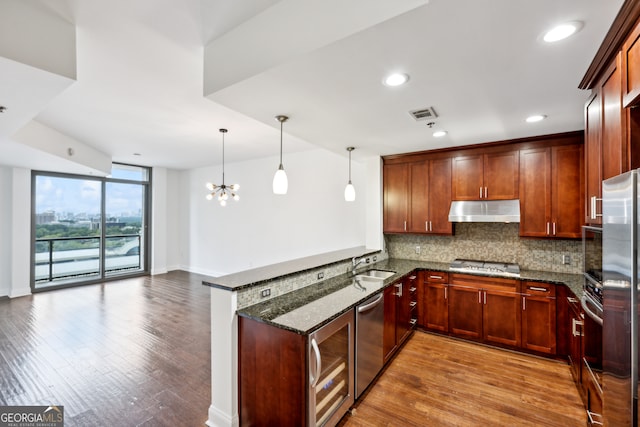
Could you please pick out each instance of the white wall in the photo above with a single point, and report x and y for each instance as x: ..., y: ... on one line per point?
x: 263, y: 228
x: 5, y: 230
x: 20, y: 237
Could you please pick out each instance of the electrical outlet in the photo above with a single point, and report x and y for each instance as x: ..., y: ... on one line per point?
x: 418, y: 250
x: 375, y: 258
x: 321, y: 275
x: 265, y: 292
x: 566, y: 259
x: 367, y: 260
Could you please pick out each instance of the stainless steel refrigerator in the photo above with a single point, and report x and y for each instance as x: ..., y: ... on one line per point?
x: 620, y: 223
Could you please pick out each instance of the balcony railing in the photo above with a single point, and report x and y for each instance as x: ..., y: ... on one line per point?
x: 64, y: 258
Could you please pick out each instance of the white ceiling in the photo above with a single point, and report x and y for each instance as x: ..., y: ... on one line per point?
x: 141, y: 66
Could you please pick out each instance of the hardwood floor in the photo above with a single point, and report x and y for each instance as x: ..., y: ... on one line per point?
x: 440, y: 381
x: 134, y: 352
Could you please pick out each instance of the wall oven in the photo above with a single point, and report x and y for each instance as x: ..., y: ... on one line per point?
x: 591, y: 302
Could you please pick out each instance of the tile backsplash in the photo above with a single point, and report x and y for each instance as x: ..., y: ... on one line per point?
x: 489, y: 242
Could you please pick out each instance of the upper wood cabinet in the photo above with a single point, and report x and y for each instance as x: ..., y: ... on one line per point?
x: 551, y: 198
x: 395, y: 197
x: 631, y: 67
x: 488, y: 176
x: 606, y: 153
x: 417, y: 197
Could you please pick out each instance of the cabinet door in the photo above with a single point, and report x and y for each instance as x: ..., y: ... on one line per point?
x: 576, y: 320
x: 613, y: 120
x: 465, y: 311
x: 566, y: 191
x: 395, y: 195
x: 389, y: 331
x: 419, y: 198
x: 501, y: 316
x: 535, y: 197
x: 404, y: 309
x: 436, y: 303
x: 593, y: 159
x: 539, y: 317
x: 631, y: 63
x: 440, y: 196
x: 467, y: 174
x: 501, y: 175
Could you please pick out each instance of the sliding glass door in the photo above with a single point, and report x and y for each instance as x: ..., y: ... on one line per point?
x: 87, y: 229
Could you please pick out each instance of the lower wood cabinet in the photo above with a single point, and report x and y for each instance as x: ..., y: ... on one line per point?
x: 485, y: 308
x: 539, y: 317
x: 400, y: 314
x: 434, y: 301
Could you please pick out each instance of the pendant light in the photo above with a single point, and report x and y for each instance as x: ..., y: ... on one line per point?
x: 280, y: 182
x: 222, y: 191
x: 349, y: 190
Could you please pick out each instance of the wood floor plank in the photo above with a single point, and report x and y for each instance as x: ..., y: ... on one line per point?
x: 440, y: 381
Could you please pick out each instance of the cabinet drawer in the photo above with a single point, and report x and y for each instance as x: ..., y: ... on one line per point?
x: 436, y: 277
x: 539, y: 289
x: 484, y: 282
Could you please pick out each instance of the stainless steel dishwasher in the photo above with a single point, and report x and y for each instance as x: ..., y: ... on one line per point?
x: 369, y: 329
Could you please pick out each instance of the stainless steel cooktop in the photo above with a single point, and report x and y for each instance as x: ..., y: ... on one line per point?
x: 485, y: 267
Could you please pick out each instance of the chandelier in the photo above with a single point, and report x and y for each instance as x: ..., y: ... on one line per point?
x: 222, y: 192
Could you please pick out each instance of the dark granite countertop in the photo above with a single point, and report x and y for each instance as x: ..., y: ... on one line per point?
x: 257, y: 276
x: 309, y: 308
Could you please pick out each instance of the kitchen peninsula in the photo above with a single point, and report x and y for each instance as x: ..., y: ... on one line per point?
x: 305, y: 310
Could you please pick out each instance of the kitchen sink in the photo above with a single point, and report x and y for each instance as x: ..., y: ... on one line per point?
x: 376, y: 274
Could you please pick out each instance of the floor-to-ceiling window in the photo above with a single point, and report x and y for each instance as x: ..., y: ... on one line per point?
x: 86, y: 229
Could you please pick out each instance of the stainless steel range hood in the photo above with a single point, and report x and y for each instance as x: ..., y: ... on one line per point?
x: 485, y: 211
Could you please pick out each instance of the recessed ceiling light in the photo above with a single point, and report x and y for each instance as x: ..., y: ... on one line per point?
x: 536, y: 118
x: 562, y: 31
x: 439, y: 133
x: 137, y: 154
x: 396, y: 79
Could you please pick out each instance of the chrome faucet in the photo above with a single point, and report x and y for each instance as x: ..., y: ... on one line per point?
x: 354, y: 264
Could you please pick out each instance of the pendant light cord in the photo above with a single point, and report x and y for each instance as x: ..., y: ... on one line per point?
x: 281, y: 121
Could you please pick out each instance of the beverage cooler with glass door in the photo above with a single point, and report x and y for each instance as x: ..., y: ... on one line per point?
x: 331, y: 371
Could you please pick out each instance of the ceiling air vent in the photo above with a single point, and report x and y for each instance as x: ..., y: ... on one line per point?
x: 423, y: 114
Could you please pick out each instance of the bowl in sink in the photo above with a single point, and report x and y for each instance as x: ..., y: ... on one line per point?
x: 376, y: 274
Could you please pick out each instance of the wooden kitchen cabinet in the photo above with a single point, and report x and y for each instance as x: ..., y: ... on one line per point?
x: 435, y: 301
x: 417, y: 197
x: 606, y: 147
x: 399, y: 311
x: 395, y: 197
x: 484, y: 308
x: 551, y: 198
x: 574, y: 328
x: 631, y: 67
x: 539, y: 317
x: 487, y: 176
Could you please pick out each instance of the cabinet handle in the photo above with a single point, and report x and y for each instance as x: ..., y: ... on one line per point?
x: 593, y: 213
x: 524, y: 304
x: 412, y: 289
x: 479, y: 297
x: 573, y: 300
x: 399, y: 286
x: 485, y: 297
x: 430, y: 226
x: 539, y: 289
x: 445, y: 292
x: 405, y: 226
x: 594, y: 419
x: 314, y: 378
x: 554, y: 228
x: 413, y: 304
x: 574, y: 327
x: 486, y: 193
x: 413, y: 321
x: 412, y: 277
x: 547, y: 228
x: 426, y: 226
x: 435, y: 277
x: 481, y: 192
